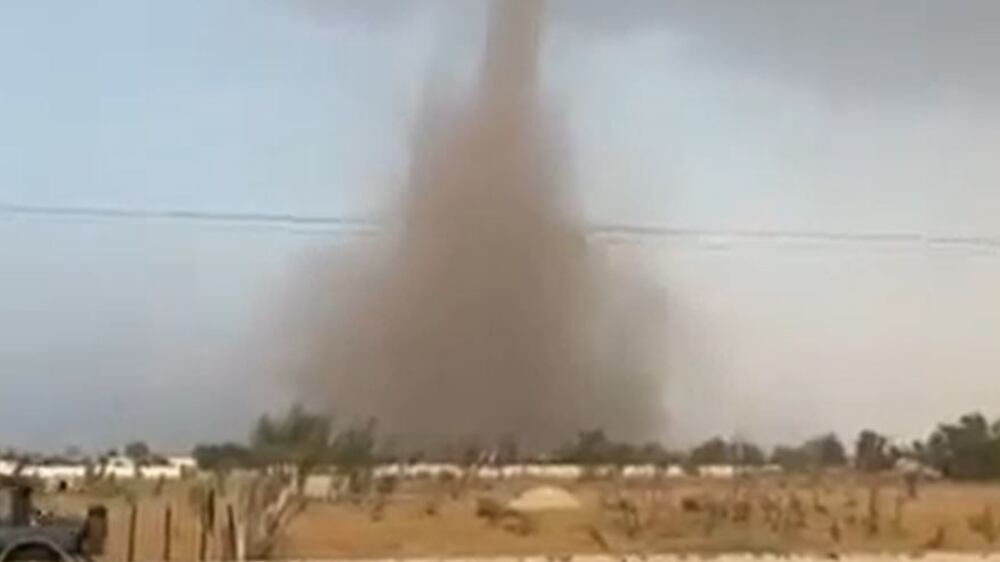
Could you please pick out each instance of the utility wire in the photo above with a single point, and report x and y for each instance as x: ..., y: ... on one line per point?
x: 110, y: 213
x: 611, y: 232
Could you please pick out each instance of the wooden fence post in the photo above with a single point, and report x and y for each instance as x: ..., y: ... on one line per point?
x: 207, y: 525
x: 132, y: 524
x: 230, y: 533
x: 167, y: 533
x: 202, y: 540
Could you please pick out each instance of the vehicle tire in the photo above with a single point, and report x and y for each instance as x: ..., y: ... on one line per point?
x: 34, y: 553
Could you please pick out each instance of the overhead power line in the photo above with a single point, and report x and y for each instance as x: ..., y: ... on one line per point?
x: 889, y: 237
x: 110, y: 213
x: 613, y: 232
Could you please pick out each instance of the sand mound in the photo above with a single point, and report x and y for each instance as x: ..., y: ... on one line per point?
x: 545, y: 498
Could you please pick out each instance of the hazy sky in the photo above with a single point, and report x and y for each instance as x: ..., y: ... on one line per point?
x: 850, y: 116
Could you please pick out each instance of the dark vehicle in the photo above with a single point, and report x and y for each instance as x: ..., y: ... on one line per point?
x: 28, y: 534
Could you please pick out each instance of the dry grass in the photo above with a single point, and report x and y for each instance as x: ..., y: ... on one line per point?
x: 842, y: 514
x: 406, y: 529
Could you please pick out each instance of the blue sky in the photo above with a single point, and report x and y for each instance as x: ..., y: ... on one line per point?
x: 792, y: 115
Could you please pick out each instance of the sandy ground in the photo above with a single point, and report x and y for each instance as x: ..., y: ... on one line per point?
x: 931, y: 557
x: 836, y: 518
x: 425, y: 521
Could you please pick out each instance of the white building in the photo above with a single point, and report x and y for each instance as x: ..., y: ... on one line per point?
x: 717, y: 471
x: 161, y: 472
x: 120, y: 467
x: 186, y: 464
x: 172, y: 468
x: 53, y: 472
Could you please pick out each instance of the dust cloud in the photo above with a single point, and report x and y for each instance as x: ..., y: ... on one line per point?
x: 483, y: 312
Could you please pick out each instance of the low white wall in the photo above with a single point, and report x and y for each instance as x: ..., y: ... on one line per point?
x: 543, y: 471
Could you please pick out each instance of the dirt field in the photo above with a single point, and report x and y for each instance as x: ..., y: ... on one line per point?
x: 430, y: 519
x: 773, y: 516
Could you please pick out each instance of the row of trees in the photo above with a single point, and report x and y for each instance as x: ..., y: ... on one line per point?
x: 593, y: 447
x: 301, y: 439
x: 968, y: 449
x: 138, y: 451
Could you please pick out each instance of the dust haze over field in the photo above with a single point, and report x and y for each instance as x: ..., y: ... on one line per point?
x: 481, y: 314
x: 709, y: 115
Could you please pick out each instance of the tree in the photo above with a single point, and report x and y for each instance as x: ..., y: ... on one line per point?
x: 73, y: 452
x: 355, y: 446
x: 138, y: 451
x: 508, y: 451
x: 871, y: 452
x: 934, y: 452
x: 826, y: 451
x: 590, y: 447
x: 353, y: 452
x: 791, y: 459
x: 655, y: 453
x: 471, y: 452
x: 224, y: 457
x: 300, y: 438
x: 622, y: 454
x: 719, y: 451
x: 743, y: 453
x: 968, y: 450
x: 713, y: 451
x: 919, y: 451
